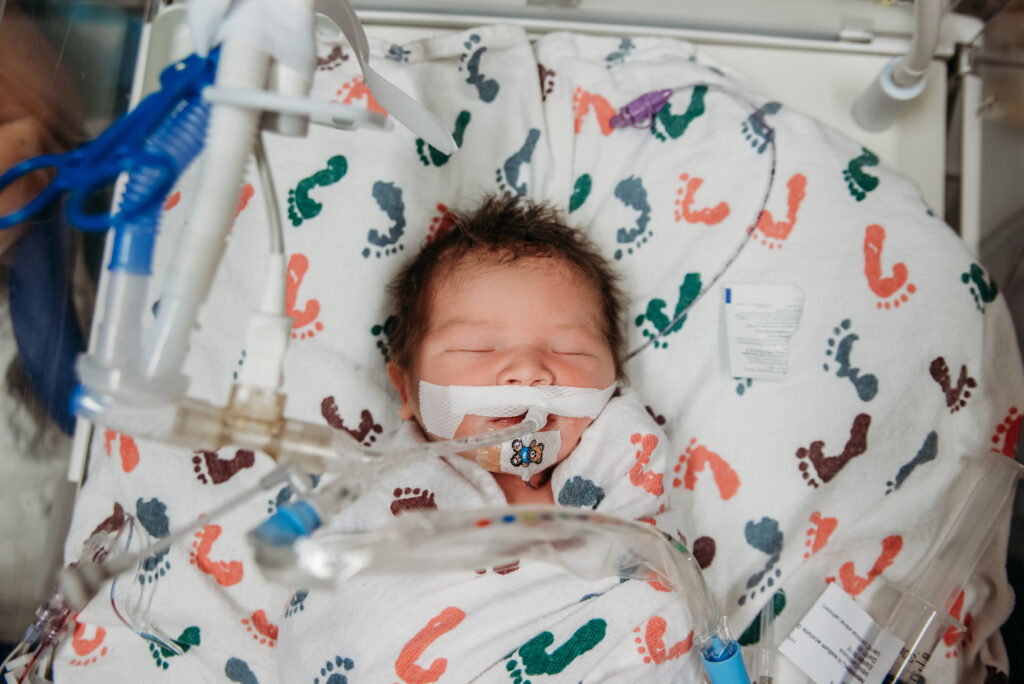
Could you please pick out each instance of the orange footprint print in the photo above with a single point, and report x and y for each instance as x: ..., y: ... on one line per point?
x: 356, y: 89
x: 685, y: 199
x: 774, y: 233
x: 298, y: 265
x: 244, y: 196
x: 227, y: 573
x: 887, y: 286
x: 648, y: 481
x: 854, y: 584
x: 172, y: 200
x: 583, y: 102
x: 127, y: 449
x: 405, y: 666
x: 819, y: 532
x: 654, y: 639
x: 263, y: 630
x: 695, y: 458
x: 85, y: 647
x: 953, y: 636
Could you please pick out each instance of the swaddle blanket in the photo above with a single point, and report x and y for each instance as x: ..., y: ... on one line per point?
x: 904, y: 375
x: 516, y: 619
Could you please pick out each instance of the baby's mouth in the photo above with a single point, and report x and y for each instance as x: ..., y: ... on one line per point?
x: 500, y: 423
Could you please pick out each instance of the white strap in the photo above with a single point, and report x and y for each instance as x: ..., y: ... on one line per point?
x: 399, y: 105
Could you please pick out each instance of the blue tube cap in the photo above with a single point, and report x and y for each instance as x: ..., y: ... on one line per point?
x: 724, y: 663
x: 290, y: 522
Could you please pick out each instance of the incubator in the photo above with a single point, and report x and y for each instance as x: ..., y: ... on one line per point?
x: 212, y: 109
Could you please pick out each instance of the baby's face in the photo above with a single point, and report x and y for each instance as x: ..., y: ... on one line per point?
x: 532, y: 322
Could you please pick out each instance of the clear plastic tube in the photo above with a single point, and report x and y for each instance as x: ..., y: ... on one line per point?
x: 590, y: 545
x: 922, y: 615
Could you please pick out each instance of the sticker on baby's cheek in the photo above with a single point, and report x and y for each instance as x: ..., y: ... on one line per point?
x: 531, y: 453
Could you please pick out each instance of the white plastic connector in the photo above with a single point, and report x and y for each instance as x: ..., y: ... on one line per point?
x: 883, y: 101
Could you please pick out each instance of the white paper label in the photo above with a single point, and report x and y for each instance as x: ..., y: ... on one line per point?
x: 759, y: 320
x: 836, y: 641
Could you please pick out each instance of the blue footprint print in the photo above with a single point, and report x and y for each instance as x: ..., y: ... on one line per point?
x: 983, y: 289
x: 619, y: 56
x: 237, y: 670
x: 743, y: 385
x: 152, y: 515
x: 929, y: 449
x: 297, y: 603
x: 331, y: 672
x: 756, y: 130
x: 581, y: 493
x: 487, y: 88
x: 766, y: 537
x: 867, y: 384
x: 397, y: 53
x: 631, y: 192
x: 389, y: 199
x: 513, y: 166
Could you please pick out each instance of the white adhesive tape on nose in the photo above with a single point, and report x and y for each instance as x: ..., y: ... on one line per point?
x: 443, y: 407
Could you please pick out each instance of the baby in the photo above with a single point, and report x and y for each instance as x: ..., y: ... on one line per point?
x: 508, y: 297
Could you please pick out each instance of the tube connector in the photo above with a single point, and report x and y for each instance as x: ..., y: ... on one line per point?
x: 884, y: 101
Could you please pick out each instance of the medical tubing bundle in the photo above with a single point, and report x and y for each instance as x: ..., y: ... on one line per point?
x: 174, y: 146
x: 922, y: 615
x: 590, y: 545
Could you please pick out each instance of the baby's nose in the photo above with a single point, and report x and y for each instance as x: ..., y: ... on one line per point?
x: 525, y: 368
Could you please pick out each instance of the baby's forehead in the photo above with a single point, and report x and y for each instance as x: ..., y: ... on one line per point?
x: 483, y: 264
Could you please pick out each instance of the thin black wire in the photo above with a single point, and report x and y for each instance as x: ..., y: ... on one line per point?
x: 747, y: 233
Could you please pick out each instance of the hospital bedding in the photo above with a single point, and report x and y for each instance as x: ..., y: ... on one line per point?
x: 903, y: 374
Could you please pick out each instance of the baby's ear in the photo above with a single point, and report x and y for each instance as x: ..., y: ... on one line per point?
x: 400, y: 379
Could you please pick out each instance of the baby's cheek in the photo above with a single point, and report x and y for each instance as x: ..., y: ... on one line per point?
x: 571, y: 430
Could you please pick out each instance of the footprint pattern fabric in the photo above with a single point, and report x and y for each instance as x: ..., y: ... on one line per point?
x: 904, y: 376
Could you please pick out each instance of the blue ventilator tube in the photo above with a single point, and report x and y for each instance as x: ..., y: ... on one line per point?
x: 284, y: 527
x: 724, y: 662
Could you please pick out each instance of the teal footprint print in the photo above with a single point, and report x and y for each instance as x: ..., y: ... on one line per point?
x: 661, y: 325
x: 667, y: 125
x: 752, y: 634
x: 858, y: 181
x: 161, y: 655
x: 756, y: 130
x: 301, y: 206
x: 983, y: 289
x: 389, y: 199
x: 537, y: 661
x: 580, y: 192
x: 508, y: 175
x: 619, y: 56
x: 430, y: 155
x: 928, y: 451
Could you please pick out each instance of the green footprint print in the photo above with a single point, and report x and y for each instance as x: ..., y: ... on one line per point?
x: 383, y: 335
x: 161, y: 654
x: 537, y: 661
x: 300, y: 205
x: 752, y: 634
x: 436, y: 157
x: 674, y: 125
x: 857, y: 180
x: 983, y: 289
x: 661, y: 325
x: 580, y: 192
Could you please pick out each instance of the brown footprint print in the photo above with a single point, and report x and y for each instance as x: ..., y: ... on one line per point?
x: 827, y: 467
x: 412, y: 499
x: 958, y: 394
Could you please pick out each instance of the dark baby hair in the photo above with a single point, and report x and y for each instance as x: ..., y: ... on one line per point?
x: 507, y: 228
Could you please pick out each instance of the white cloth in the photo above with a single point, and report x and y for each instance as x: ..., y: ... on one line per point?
x: 487, y: 622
